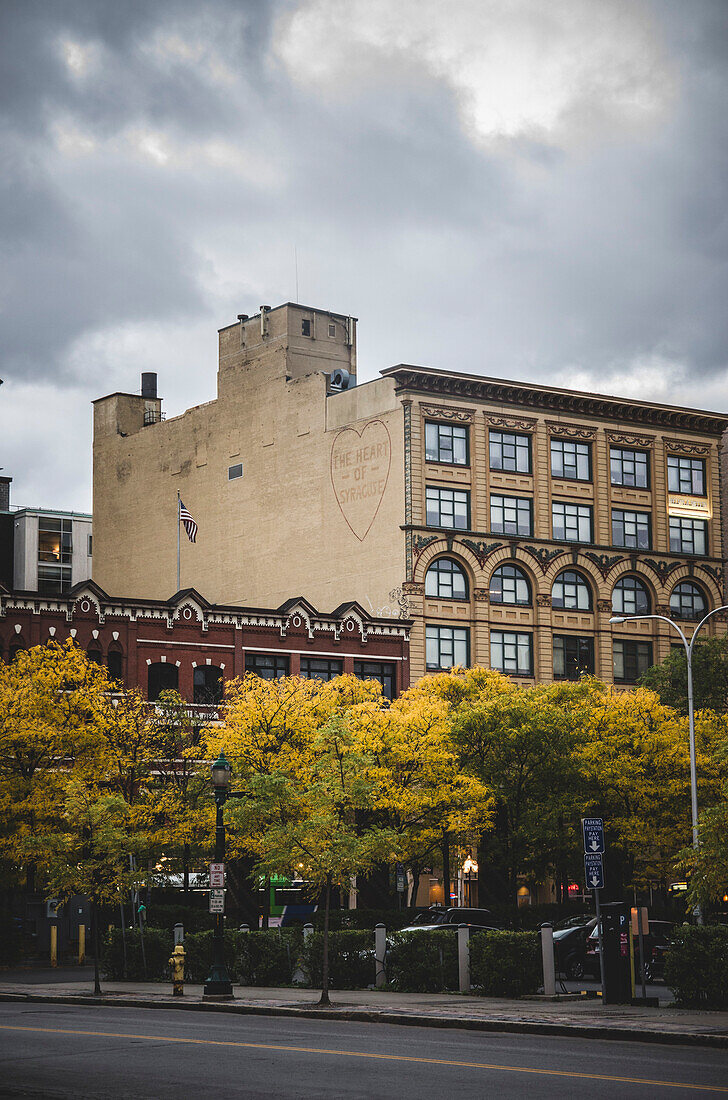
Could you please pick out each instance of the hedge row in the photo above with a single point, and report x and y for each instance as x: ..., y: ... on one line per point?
x: 696, y: 966
x: 505, y: 964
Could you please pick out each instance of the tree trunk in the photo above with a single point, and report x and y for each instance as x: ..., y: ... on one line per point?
x: 186, y: 872
x: 95, y: 919
x: 324, y: 1000
x: 266, y: 902
x: 446, y: 870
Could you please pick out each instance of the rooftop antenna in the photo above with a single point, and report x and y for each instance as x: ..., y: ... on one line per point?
x: 295, y: 260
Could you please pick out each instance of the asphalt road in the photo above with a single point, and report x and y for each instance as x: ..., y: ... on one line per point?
x: 61, y: 1051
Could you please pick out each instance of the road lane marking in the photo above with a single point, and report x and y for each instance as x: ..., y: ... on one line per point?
x: 367, y: 1054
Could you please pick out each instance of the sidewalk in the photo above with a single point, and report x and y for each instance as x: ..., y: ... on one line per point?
x: 582, y: 1017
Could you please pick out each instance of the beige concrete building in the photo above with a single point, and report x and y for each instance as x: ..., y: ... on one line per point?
x: 506, y: 519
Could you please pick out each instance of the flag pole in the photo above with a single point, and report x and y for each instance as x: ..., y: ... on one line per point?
x: 178, y: 550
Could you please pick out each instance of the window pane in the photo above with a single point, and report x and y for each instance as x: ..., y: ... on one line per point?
x: 687, y: 601
x: 572, y: 522
x: 509, y: 451
x: 686, y: 475
x: 446, y: 443
x: 573, y: 656
x: 379, y: 671
x: 510, y: 515
x: 630, y: 529
x: 631, y: 659
x: 446, y: 580
x: 570, y: 460
x: 269, y: 666
x: 318, y: 668
x: 688, y: 536
x: 511, y: 652
x: 446, y: 646
x: 571, y: 592
x: 630, y: 597
x: 162, y: 676
x: 447, y: 508
x: 630, y: 468
x: 509, y: 585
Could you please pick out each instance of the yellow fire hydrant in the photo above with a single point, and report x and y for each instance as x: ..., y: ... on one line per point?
x: 177, y: 966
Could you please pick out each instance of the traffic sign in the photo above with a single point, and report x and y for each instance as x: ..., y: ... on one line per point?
x: 217, y: 874
x: 593, y: 829
x: 593, y: 871
x: 217, y: 901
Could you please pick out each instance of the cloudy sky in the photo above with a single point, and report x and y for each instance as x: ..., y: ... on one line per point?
x: 516, y: 188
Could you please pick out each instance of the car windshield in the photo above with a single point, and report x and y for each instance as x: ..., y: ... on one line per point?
x: 431, y: 916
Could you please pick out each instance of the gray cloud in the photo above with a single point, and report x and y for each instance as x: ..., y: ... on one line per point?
x: 515, y: 192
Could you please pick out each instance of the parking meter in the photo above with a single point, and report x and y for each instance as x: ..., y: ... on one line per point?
x: 617, y: 985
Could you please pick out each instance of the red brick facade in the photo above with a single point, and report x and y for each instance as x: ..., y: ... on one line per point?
x: 187, y: 633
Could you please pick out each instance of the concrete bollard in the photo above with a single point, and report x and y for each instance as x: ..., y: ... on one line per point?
x: 299, y: 974
x: 54, y: 945
x: 81, y: 944
x: 380, y: 955
x: 464, y: 958
x: 547, y: 955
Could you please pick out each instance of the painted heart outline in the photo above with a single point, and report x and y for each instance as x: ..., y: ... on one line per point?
x: 359, y: 467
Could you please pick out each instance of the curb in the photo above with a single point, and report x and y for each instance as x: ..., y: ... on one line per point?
x: 582, y: 1031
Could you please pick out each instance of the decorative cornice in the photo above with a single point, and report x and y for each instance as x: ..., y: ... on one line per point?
x: 685, y: 447
x: 501, y: 392
x: 604, y: 562
x: 421, y: 542
x: 570, y: 431
x: 715, y: 571
x: 447, y: 412
x: 543, y: 555
x: 413, y: 588
x: 482, y: 550
x: 629, y: 440
x: 662, y: 569
x: 511, y: 423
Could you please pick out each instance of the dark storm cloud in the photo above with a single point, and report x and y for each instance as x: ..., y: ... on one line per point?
x: 161, y: 161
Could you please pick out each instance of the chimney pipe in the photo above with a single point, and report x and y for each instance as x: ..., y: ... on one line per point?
x: 149, y: 384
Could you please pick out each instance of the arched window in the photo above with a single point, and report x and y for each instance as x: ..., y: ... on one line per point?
x: 208, y: 684
x: 571, y: 592
x: 114, y: 663
x: 13, y: 650
x: 509, y: 584
x: 162, y: 677
x: 688, y: 601
x: 630, y: 597
x: 94, y: 654
x: 447, y: 580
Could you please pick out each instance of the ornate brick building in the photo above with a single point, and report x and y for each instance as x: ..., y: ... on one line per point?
x: 188, y: 644
x: 507, y: 520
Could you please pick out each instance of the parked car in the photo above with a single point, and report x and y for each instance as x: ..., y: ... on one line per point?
x: 656, y: 943
x: 570, y: 947
x: 438, y: 918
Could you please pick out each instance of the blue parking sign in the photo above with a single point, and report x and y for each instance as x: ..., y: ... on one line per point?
x: 593, y: 871
x: 593, y: 829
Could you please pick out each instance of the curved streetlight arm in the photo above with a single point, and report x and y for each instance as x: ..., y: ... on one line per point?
x: 715, y: 611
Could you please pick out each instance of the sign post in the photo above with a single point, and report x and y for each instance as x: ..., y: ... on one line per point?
x: 217, y: 875
x: 593, y: 832
x: 217, y: 900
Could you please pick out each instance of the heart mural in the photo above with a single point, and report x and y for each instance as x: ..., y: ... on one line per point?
x: 360, y: 463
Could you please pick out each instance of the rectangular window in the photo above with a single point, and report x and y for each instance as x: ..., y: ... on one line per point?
x: 688, y: 536
x: 235, y: 471
x: 509, y: 451
x: 631, y: 659
x: 631, y: 529
x: 571, y: 522
x: 269, y: 666
x: 90, y: 548
x: 54, y: 579
x: 629, y: 468
x: 446, y: 646
x: 318, y: 668
x: 572, y: 656
x: 571, y: 460
x: 381, y: 671
x: 305, y: 328
x: 511, y: 515
x: 54, y: 540
x: 446, y: 443
x: 511, y: 652
x: 332, y: 331
x: 686, y: 475
x: 448, y: 508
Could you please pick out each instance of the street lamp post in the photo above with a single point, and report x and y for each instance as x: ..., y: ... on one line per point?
x: 691, y: 714
x: 218, y: 984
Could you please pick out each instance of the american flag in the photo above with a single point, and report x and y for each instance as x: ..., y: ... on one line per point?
x: 189, y: 523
